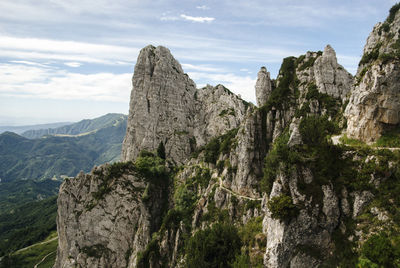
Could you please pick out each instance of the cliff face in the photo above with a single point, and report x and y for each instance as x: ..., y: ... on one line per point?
x: 374, y: 104
x: 263, y: 186
x: 166, y: 107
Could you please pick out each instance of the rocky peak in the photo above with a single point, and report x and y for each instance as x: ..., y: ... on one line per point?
x: 263, y: 87
x: 212, y: 120
x: 331, y: 78
x: 161, y: 106
x: 166, y: 107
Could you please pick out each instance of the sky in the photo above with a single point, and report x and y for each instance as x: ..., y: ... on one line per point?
x: 66, y: 60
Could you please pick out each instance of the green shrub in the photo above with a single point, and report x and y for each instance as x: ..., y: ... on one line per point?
x: 220, y: 166
x: 202, y: 177
x: 114, y: 171
x: 362, y: 74
x: 308, y: 63
x: 222, y: 144
x: 215, y: 246
x: 145, y: 153
x: 283, y: 94
x: 386, y: 57
x: 185, y: 198
x: 249, y: 231
x: 392, y: 12
x: 314, y: 129
x: 365, y: 263
x: 227, y: 141
x: 280, y: 156
x: 242, y: 261
x: 211, y: 151
x: 370, y: 56
x: 151, y: 168
x: 330, y: 103
x: 379, y: 250
x: 229, y: 111
x: 385, y: 27
x: 151, y: 252
x: 282, y: 207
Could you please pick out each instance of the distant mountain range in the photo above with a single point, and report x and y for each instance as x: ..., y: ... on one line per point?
x: 76, y: 147
x: 21, y: 129
x: 32, y: 166
x: 83, y: 127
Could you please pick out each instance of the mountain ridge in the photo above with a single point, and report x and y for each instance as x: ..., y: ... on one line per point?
x: 85, y: 126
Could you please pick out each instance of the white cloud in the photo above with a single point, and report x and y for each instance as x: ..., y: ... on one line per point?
x: 197, y: 19
x: 35, y: 48
x: 28, y: 63
x: 49, y: 83
x: 203, y: 7
x: 73, y: 64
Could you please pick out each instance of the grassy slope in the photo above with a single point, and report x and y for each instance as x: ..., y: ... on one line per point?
x: 34, y: 254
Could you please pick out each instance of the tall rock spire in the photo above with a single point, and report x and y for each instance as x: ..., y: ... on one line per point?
x: 263, y: 87
x: 161, y: 106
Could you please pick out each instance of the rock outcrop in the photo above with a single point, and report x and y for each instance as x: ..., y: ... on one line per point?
x: 374, y: 105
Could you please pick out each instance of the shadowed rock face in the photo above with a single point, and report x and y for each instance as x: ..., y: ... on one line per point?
x: 375, y: 101
x: 161, y: 106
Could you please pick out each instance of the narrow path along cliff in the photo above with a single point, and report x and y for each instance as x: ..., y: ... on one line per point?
x: 234, y: 193
x: 336, y: 141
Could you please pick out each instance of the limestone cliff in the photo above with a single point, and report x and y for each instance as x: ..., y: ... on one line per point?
x: 238, y: 185
x: 374, y: 105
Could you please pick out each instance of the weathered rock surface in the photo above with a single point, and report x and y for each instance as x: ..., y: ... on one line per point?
x: 375, y: 101
x: 103, y: 224
x: 161, y: 106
